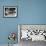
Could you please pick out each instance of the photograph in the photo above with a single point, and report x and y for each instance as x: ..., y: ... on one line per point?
x: 32, y: 32
x: 10, y: 11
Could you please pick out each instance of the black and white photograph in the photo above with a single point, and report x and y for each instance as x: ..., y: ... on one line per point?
x: 10, y: 11
x: 30, y: 34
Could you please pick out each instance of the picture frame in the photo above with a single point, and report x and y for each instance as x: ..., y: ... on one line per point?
x: 10, y: 11
x: 37, y: 29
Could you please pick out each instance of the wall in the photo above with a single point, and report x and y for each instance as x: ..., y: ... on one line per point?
x: 32, y: 11
x: 29, y: 12
x: 7, y: 25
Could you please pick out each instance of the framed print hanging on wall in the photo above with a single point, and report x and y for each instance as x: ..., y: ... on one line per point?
x: 10, y: 11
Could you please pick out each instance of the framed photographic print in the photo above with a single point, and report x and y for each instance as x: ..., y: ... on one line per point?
x: 10, y: 11
x: 33, y: 32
